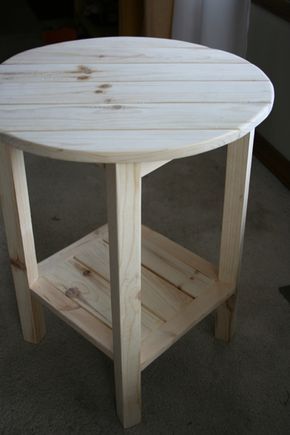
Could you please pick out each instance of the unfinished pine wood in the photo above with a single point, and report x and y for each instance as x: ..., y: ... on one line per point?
x: 113, y: 100
x: 171, y: 331
x: 115, y: 117
x: 75, y: 283
x: 103, y: 55
x: 20, y: 241
x: 124, y: 221
x: 128, y: 72
x: 84, y: 322
x: 92, y: 253
x: 132, y: 93
x: 59, y: 144
x: 239, y: 158
x: 117, y: 42
x: 176, y: 254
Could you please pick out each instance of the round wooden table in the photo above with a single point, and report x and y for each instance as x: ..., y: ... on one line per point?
x: 132, y: 104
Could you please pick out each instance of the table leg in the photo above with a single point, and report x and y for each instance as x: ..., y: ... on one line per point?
x: 17, y: 220
x: 239, y: 158
x: 124, y: 218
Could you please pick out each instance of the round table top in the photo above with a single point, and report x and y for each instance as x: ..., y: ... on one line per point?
x: 125, y: 99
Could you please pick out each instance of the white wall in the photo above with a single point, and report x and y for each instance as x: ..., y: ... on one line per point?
x: 269, y: 48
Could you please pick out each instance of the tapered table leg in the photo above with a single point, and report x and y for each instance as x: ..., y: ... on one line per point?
x: 239, y: 158
x: 124, y: 218
x: 17, y: 220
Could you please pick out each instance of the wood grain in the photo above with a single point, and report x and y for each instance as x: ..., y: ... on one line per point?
x: 124, y: 117
x: 238, y: 171
x: 88, y: 92
x: 124, y: 217
x: 153, y: 144
x: 76, y: 282
x: 20, y: 241
x: 93, y: 56
x: 131, y: 72
x: 73, y: 314
x: 171, y: 331
x: 128, y: 99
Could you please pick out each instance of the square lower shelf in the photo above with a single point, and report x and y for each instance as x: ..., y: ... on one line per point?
x: 178, y: 290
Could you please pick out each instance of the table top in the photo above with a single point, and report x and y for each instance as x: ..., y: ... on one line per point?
x: 127, y: 99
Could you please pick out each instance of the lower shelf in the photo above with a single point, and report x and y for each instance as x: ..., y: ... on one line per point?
x: 178, y: 290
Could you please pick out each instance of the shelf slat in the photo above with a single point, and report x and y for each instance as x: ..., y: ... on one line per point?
x: 178, y: 290
x: 193, y: 313
x: 81, y: 320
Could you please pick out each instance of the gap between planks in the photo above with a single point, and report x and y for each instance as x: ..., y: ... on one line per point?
x: 136, y: 104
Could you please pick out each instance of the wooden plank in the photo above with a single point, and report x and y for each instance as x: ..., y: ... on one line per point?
x: 96, y: 55
x: 239, y: 160
x: 178, y: 275
x: 177, y: 254
x: 165, y: 279
x: 84, y: 277
x: 124, y: 216
x: 171, y: 331
x: 110, y: 43
x: 90, y: 291
x: 95, y: 256
x: 132, y: 93
x: 177, y: 116
x: 107, y: 73
x: 112, y: 145
x: 159, y: 297
x: 68, y: 310
x: 173, y: 264
x: 20, y: 241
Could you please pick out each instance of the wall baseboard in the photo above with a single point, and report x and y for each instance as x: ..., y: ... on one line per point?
x: 278, y: 164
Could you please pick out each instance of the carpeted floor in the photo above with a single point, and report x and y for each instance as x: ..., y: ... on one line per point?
x: 200, y: 386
